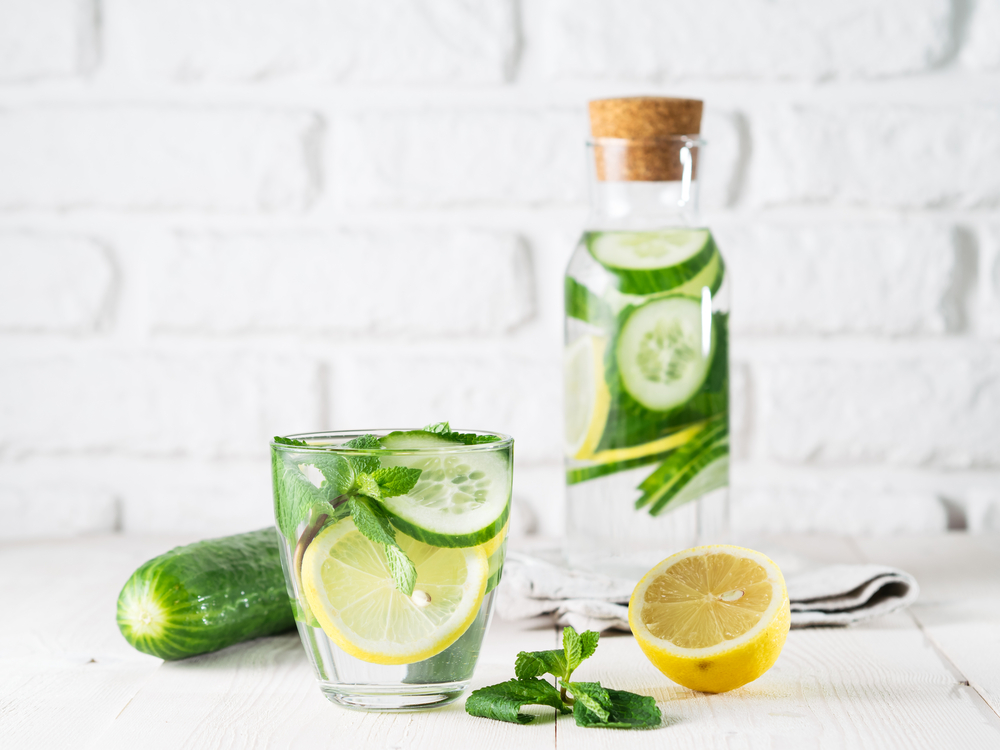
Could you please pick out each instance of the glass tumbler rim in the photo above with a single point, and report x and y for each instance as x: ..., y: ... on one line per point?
x: 504, y: 441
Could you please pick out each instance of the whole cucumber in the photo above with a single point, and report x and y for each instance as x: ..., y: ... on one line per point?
x: 206, y: 596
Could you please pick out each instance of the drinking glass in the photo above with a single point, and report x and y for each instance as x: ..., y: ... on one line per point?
x: 374, y: 645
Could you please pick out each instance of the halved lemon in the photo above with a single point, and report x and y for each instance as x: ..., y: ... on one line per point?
x: 586, y: 394
x: 346, y: 581
x: 711, y: 618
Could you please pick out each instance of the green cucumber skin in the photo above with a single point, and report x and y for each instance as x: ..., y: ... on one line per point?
x: 454, y: 540
x: 653, y: 280
x: 583, y: 304
x: 630, y: 424
x: 213, y: 593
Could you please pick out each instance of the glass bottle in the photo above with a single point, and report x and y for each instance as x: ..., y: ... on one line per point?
x: 646, y: 357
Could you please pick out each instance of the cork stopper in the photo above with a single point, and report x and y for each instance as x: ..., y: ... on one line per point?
x: 651, y: 125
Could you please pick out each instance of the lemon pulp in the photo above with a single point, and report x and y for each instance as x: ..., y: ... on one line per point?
x: 711, y: 618
x: 347, y: 583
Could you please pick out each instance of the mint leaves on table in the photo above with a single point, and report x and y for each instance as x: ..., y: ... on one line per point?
x: 592, y: 704
x: 316, y: 487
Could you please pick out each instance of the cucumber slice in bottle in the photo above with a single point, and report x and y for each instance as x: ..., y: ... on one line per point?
x: 650, y: 262
x: 697, y: 467
x: 710, y: 276
x: 462, y: 499
x: 659, y: 352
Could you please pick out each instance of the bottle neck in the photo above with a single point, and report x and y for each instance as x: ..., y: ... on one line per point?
x: 643, y: 205
x: 644, y: 184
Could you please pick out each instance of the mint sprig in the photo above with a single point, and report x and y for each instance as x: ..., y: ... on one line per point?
x: 316, y: 486
x: 467, y: 438
x: 592, y: 704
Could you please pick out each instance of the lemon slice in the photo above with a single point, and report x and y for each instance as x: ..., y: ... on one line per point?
x: 711, y: 618
x: 587, y: 396
x: 346, y: 581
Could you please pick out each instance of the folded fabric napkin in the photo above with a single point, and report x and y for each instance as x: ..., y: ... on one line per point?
x: 819, y: 595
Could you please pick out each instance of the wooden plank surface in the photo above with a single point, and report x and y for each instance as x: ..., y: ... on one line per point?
x: 65, y: 670
x: 927, y: 678
x: 876, y: 686
x: 959, y: 606
x: 263, y: 695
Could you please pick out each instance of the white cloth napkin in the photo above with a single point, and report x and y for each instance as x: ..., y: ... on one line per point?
x: 819, y: 595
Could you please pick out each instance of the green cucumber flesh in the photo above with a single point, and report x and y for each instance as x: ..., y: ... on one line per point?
x: 461, y: 499
x: 659, y: 352
x: 206, y: 596
x: 650, y: 262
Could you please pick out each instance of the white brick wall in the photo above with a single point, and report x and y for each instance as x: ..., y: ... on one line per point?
x: 156, y: 158
x: 843, y: 278
x: 880, y: 156
x: 53, y: 284
x: 221, y: 220
x: 640, y: 39
x: 45, y: 38
x: 307, y: 282
x: 392, y: 41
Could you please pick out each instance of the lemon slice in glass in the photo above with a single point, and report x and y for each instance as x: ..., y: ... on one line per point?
x: 346, y: 580
x: 587, y: 396
x: 711, y: 618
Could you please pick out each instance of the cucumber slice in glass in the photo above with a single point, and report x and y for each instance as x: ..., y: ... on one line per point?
x: 650, y: 262
x: 462, y: 499
x: 415, y: 440
x: 659, y: 352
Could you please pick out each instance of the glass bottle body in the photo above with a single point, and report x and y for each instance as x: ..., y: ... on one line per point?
x: 647, y: 373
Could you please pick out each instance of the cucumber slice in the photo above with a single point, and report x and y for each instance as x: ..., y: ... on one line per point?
x: 416, y: 440
x: 461, y: 499
x: 650, y: 262
x: 583, y: 304
x: 698, y: 467
x: 659, y: 353
x: 711, y: 276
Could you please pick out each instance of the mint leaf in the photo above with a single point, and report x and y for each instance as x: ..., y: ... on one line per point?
x: 625, y: 710
x: 504, y: 701
x: 577, y: 647
x: 588, y: 643
x: 364, y: 441
x: 396, y: 480
x: 467, y: 438
x: 572, y: 648
x: 336, y: 470
x: 404, y: 574
x: 288, y: 441
x: 366, y: 464
x: 295, y: 496
x: 365, y: 484
x: 592, y: 696
x: 536, y: 663
x: 372, y: 521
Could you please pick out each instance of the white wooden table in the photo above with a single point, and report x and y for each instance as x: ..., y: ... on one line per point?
x: 926, y: 678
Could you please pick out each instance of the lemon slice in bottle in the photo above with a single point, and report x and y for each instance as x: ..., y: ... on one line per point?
x: 346, y: 580
x: 587, y: 396
x: 711, y: 618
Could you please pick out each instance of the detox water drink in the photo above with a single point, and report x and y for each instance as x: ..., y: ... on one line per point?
x: 646, y: 356
x: 392, y: 546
